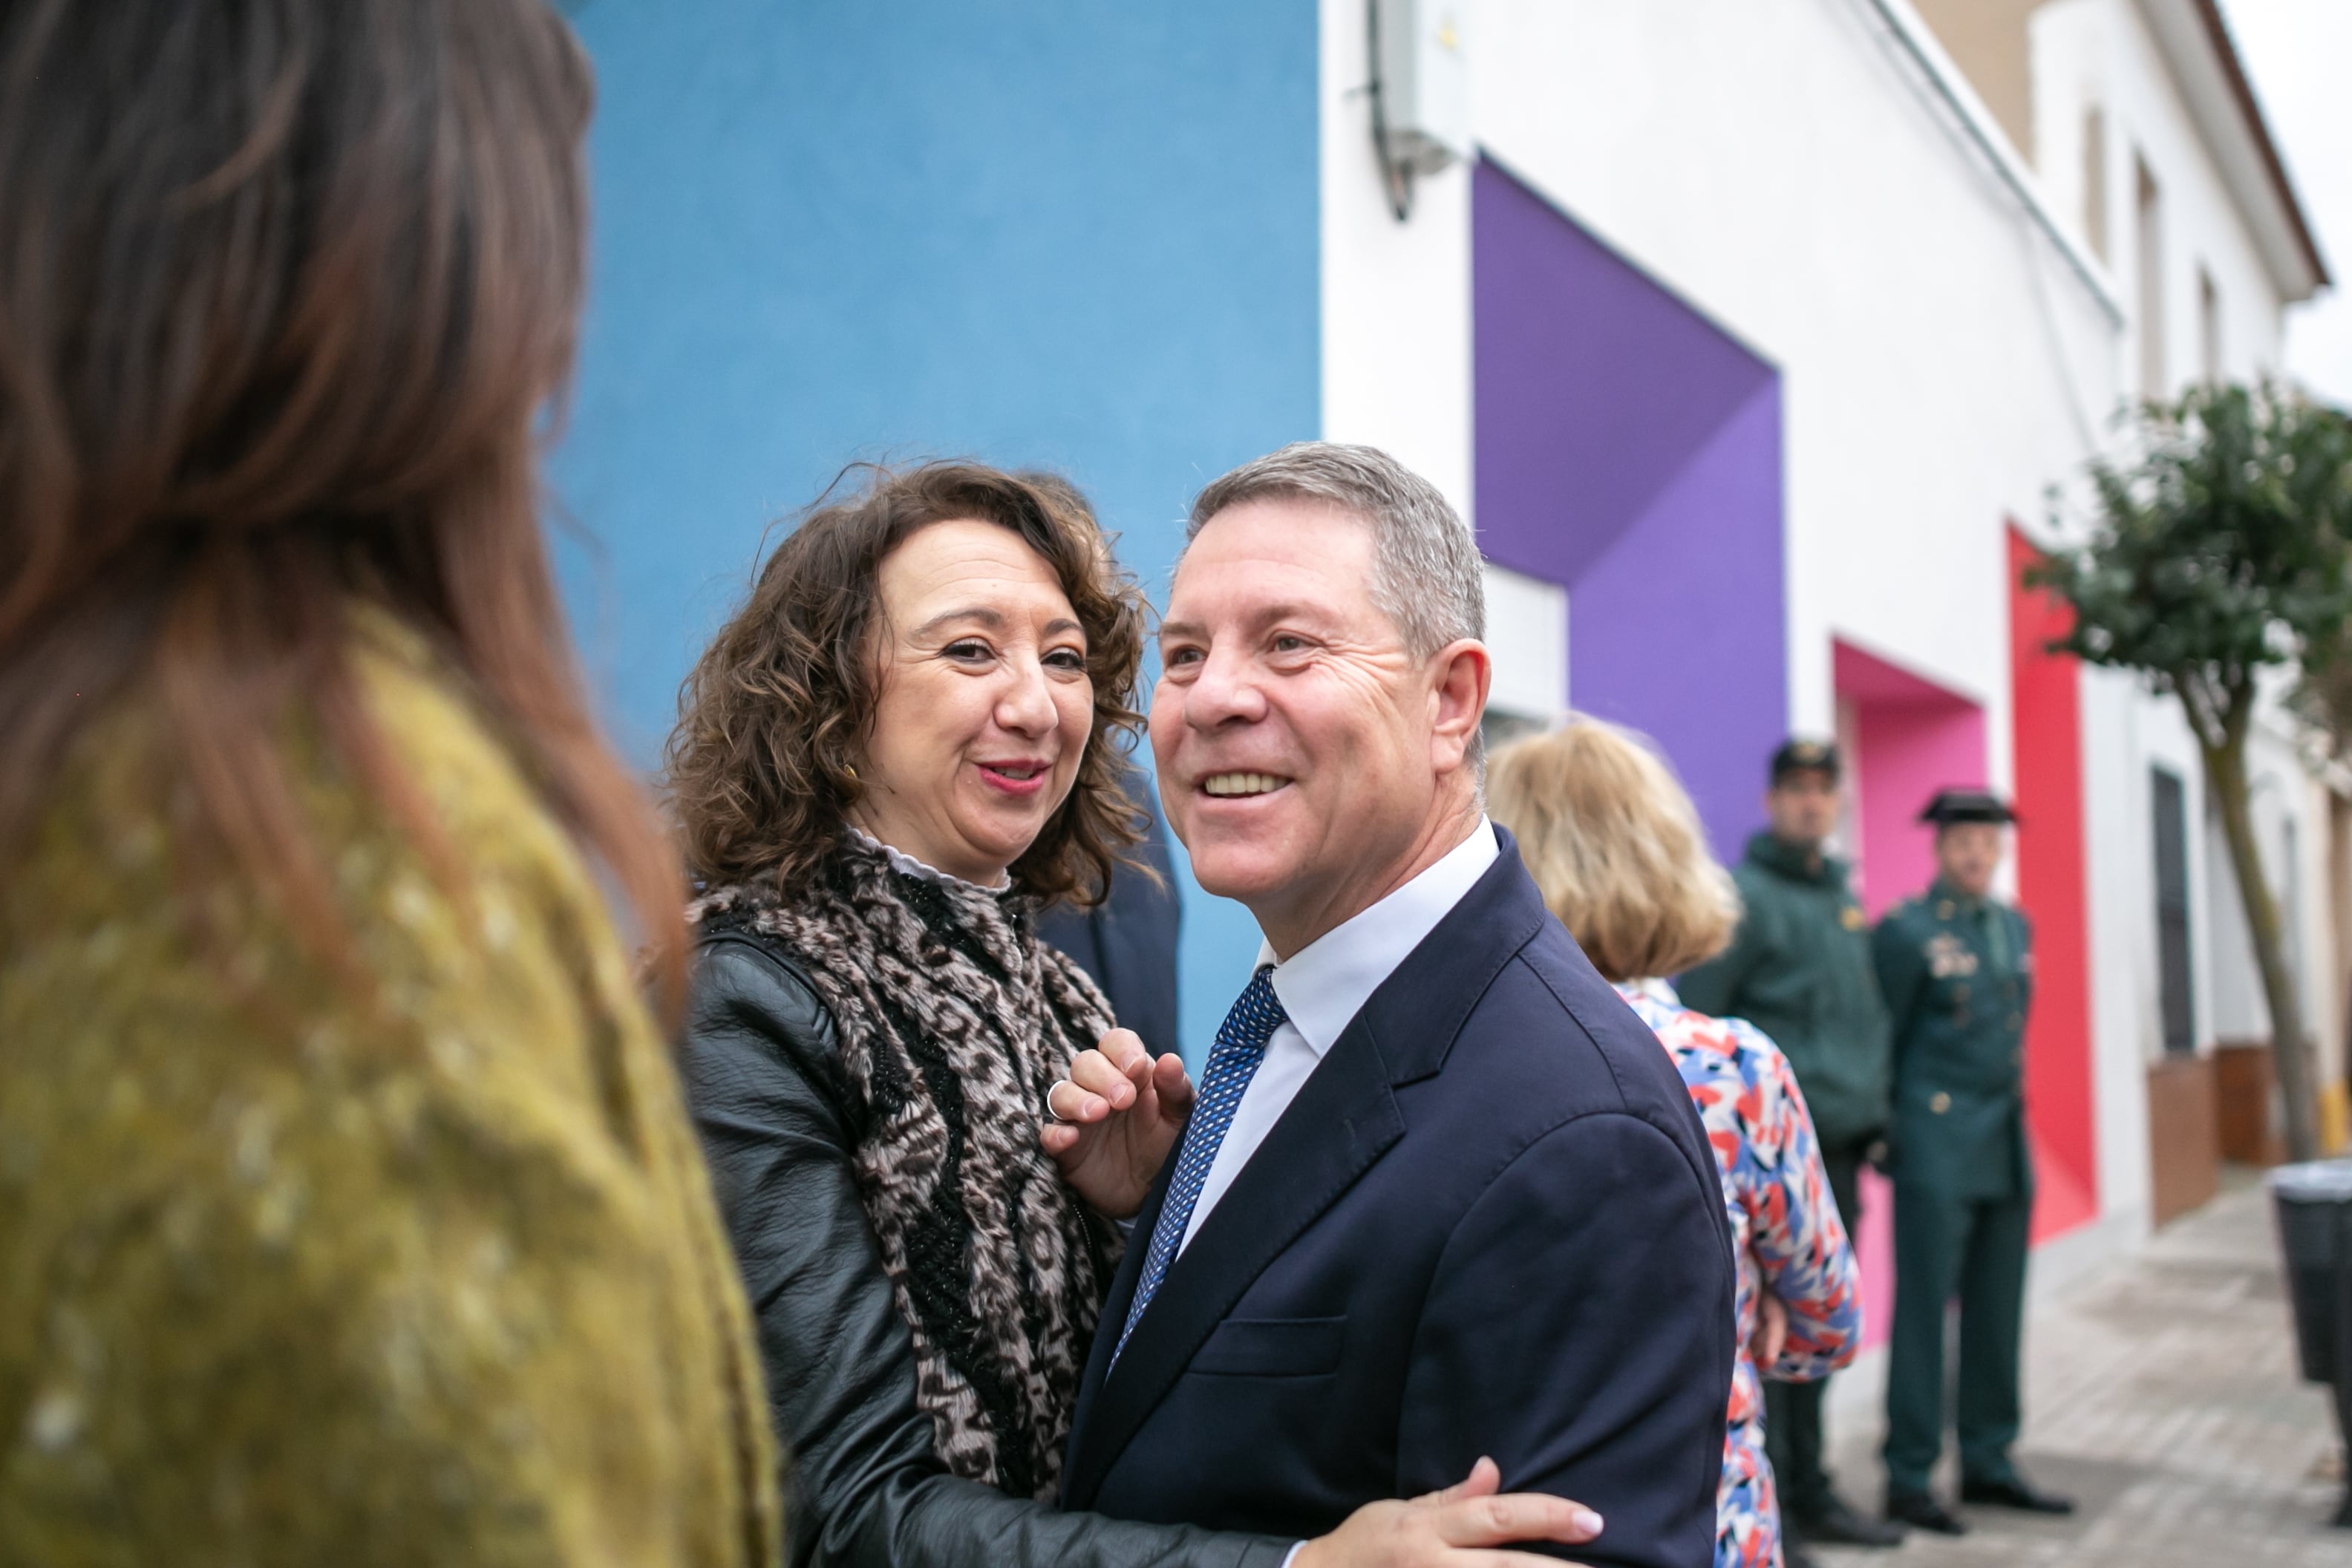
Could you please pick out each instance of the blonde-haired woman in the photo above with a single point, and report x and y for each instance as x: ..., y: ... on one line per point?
x: 1615, y: 845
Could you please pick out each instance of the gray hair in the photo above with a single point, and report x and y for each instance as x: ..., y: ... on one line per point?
x: 1426, y: 576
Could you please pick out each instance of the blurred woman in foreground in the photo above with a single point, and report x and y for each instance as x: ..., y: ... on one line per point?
x: 348, y: 1209
x: 1616, y: 847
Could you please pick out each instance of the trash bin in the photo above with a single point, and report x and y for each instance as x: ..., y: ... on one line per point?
x: 2314, y: 1219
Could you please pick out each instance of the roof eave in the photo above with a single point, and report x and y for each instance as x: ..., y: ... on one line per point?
x: 2196, y: 41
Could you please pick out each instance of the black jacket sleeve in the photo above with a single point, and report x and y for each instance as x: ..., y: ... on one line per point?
x: 864, y: 1487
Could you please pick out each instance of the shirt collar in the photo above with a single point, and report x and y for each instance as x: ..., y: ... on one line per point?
x: 1797, y: 862
x: 1967, y: 903
x: 907, y: 865
x: 1326, y: 984
x: 1652, y: 988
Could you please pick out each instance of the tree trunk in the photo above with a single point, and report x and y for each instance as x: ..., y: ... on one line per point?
x: 2225, y: 774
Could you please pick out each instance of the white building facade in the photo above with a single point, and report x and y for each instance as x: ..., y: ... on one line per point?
x: 1754, y: 339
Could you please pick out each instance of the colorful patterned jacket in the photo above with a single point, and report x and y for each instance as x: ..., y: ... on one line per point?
x: 1786, y: 1232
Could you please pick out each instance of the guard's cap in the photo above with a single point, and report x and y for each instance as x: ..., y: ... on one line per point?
x: 1953, y: 805
x: 1802, y: 756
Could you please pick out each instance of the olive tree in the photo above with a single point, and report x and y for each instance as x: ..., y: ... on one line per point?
x: 2216, y: 553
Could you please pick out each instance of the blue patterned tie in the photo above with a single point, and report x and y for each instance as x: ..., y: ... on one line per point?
x: 1241, y: 1047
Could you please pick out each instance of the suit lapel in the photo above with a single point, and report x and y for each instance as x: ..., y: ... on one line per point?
x: 1343, y: 1119
x: 1113, y: 1318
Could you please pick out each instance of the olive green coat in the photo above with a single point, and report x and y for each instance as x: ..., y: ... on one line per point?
x: 295, y: 1274
x: 1958, y: 975
x: 1798, y: 969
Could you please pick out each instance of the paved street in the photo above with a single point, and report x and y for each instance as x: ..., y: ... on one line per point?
x: 2160, y: 1392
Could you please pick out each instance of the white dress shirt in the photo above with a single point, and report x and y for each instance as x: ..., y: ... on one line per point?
x: 902, y: 861
x: 1323, y: 986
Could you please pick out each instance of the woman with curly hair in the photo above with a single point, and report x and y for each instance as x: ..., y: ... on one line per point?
x: 898, y: 749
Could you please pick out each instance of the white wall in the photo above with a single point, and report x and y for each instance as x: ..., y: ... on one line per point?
x: 1941, y: 364
x: 1786, y: 169
x: 2124, y: 733
x: 1396, y: 296
x: 2100, y: 51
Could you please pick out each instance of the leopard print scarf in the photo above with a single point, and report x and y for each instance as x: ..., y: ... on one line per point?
x: 954, y: 1021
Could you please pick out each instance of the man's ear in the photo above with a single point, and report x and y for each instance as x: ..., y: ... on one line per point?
x: 1464, y: 672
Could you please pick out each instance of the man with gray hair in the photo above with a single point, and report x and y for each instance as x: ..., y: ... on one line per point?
x: 1441, y: 1195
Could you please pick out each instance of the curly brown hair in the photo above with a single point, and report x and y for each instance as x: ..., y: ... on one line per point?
x: 761, y: 768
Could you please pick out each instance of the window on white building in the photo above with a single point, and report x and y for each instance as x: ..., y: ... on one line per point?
x: 2095, y: 180
x: 2170, y: 816
x: 2208, y: 328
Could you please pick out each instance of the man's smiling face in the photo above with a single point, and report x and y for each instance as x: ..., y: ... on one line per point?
x: 1295, y: 734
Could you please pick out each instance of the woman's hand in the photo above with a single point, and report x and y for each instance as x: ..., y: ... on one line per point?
x: 1451, y: 1529
x: 1771, y: 1330
x: 1116, y: 1118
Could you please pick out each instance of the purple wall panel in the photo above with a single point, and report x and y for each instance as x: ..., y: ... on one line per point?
x: 1677, y: 629
x: 1630, y: 451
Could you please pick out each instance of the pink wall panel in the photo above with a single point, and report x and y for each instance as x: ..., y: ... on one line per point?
x: 1874, y: 1248
x: 1915, y: 737
x: 1911, y: 738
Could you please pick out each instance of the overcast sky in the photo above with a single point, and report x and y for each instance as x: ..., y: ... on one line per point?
x: 2299, y: 54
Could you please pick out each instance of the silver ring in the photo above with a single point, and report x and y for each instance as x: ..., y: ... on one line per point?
x: 1056, y: 1115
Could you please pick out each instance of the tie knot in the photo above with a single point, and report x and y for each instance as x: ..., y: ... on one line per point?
x: 1256, y: 1014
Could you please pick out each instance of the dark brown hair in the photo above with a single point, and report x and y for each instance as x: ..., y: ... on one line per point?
x: 771, y: 723
x: 285, y: 288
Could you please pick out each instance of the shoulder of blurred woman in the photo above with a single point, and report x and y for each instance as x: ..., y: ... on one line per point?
x: 398, y: 1177
x: 131, y: 961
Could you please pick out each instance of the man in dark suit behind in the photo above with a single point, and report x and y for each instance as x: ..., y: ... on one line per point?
x: 1128, y: 942
x: 1441, y: 1195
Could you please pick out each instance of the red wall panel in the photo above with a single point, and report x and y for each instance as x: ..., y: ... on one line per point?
x: 2047, y: 709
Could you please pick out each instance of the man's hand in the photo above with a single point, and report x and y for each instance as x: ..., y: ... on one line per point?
x: 1116, y: 1118
x: 1451, y: 1529
x: 1771, y: 1330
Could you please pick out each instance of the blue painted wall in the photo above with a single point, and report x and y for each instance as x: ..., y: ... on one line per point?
x: 1040, y: 232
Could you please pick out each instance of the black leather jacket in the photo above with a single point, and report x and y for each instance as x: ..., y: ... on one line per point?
x: 863, y: 1485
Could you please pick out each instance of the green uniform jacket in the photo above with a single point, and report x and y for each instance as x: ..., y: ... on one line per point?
x: 1958, y: 975
x: 1800, y: 970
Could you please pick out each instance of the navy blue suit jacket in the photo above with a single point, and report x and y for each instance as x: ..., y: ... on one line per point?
x: 1128, y: 942
x: 1488, y: 1224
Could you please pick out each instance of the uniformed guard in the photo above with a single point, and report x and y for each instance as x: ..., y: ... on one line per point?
x: 1798, y: 969
x: 1956, y: 967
